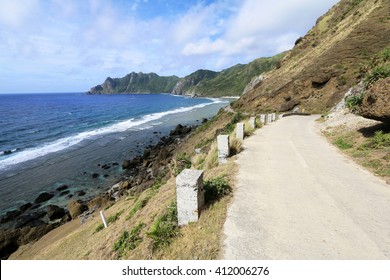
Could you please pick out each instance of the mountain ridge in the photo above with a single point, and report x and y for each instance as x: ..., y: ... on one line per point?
x: 228, y: 82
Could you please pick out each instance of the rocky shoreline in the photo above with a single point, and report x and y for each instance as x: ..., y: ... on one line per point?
x: 31, y: 221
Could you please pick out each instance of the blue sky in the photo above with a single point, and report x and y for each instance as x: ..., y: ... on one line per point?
x: 72, y: 45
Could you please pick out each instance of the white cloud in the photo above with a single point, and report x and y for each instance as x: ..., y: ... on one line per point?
x: 106, y: 38
x: 15, y: 13
x: 259, y: 28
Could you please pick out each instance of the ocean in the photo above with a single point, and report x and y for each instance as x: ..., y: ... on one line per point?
x: 47, y: 140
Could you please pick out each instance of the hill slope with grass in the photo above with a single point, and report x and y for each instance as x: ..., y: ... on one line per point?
x: 136, y: 83
x: 327, y: 61
x: 228, y: 82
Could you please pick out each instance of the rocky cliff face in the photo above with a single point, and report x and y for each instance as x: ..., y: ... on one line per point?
x: 187, y: 84
x: 376, y: 101
x: 327, y: 61
x: 136, y: 83
x: 228, y: 82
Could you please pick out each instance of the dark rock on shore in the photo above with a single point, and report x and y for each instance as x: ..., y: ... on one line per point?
x: 64, y: 193
x: 43, y: 197
x: 81, y: 193
x: 180, y: 130
x: 11, y: 240
x: 130, y: 164
x: 98, y: 201
x: 55, y: 212
x: 106, y: 166
x: 62, y: 188
x: 76, y: 208
x: 32, y: 219
x: 25, y: 206
x: 141, y: 173
x: 10, y: 215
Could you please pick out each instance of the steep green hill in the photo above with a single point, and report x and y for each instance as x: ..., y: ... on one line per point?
x: 232, y: 81
x: 228, y: 82
x: 137, y: 83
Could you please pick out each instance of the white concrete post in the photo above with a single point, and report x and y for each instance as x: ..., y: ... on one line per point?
x: 273, y: 117
x: 280, y: 116
x: 269, y: 118
x: 262, y: 118
x: 240, y: 131
x: 103, y: 219
x: 189, y: 195
x: 252, y: 122
x: 223, y: 148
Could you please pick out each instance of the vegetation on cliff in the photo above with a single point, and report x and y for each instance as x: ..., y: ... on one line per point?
x: 325, y: 62
x: 136, y: 83
x: 228, y: 82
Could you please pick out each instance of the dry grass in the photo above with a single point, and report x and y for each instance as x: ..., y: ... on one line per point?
x: 249, y: 130
x: 195, y: 241
x: 356, y: 143
x: 211, y: 159
x: 202, y: 240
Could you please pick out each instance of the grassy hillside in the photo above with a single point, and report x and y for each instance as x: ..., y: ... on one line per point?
x: 327, y: 61
x: 231, y: 81
x: 143, y: 224
x: 137, y: 83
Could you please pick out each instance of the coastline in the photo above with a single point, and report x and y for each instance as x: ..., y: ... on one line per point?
x: 139, y: 174
x: 119, y: 169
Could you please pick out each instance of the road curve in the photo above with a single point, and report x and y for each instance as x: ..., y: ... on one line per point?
x: 298, y: 198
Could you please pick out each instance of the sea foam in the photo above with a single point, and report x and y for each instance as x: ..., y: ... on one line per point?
x: 66, y: 142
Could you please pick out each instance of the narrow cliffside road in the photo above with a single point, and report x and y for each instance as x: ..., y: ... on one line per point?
x: 297, y: 197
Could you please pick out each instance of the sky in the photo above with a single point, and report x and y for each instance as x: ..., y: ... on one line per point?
x: 73, y: 45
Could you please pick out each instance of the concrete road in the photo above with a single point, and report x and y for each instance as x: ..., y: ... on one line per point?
x: 298, y: 198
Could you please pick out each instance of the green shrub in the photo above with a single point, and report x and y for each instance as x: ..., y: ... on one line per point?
x: 183, y: 161
x: 342, y: 81
x: 128, y: 241
x: 379, y: 140
x: 211, y: 160
x: 375, y: 163
x: 385, y: 54
x: 258, y: 123
x: 99, y: 227
x: 164, y: 228
x: 380, y: 72
x: 235, y: 146
x: 215, y: 189
x: 138, y: 206
x: 343, y: 144
x: 353, y: 102
x: 248, y: 129
x: 158, y: 182
x: 199, y: 161
x: 232, y: 124
x: 114, y: 218
x: 204, y: 142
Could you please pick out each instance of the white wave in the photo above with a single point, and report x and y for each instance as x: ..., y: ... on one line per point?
x: 67, y: 142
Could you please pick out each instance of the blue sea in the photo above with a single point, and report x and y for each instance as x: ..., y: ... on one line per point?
x: 51, y: 139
